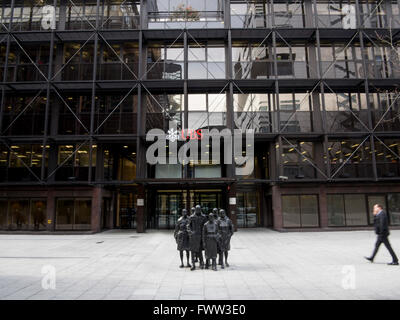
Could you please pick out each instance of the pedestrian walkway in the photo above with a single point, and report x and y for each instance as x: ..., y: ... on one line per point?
x: 122, y: 264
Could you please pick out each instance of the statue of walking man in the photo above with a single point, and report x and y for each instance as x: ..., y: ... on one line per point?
x: 182, y: 237
x: 225, y: 227
x: 195, y: 228
x: 216, y: 218
x: 210, y: 241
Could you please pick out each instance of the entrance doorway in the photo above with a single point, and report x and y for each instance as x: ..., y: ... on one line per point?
x: 207, y: 199
x: 166, y: 207
x: 167, y: 210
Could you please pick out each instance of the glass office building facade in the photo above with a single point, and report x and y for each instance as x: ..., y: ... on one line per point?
x: 83, y: 81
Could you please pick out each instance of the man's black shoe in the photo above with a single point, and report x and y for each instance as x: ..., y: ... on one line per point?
x: 369, y: 259
x: 394, y: 263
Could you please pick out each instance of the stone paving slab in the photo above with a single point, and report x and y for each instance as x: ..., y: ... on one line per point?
x: 121, y: 264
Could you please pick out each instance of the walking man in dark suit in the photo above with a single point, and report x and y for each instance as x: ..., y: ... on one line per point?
x: 382, y: 231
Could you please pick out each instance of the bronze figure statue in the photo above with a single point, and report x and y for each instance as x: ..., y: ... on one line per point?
x: 216, y: 217
x: 182, y: 237
x: 192, y: 210
x: 225, y: 228
x: 215, y: 213
x: 195, y: 227
x: 210, y: 241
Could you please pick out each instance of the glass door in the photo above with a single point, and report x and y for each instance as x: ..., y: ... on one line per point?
x: 207, y: 199
x: 168, y: 210
x: 247, y: 209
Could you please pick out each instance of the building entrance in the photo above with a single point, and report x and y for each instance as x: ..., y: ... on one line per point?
x: 166, y: 207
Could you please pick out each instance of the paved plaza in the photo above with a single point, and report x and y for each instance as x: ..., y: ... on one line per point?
x: 122, y: 264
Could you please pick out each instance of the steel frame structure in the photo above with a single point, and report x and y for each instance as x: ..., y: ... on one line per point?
x: 315, y: 85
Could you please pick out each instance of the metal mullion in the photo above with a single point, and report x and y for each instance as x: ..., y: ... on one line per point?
x: 92, y: 109
x: 185, y: 83
x: 50, y: 70
x: 366, y: 89
x: 3, y: 93
x: 277, y: 105
x: 373, y: 156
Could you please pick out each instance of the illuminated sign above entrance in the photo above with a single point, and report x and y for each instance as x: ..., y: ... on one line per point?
x: 185, y: 134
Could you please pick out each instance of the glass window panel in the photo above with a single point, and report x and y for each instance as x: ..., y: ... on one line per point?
x: 168, y: 171
x: 309, y: 211
x: 356, y: 211
x: 336, y: 211
x: 83, y: 209
x: 38, y: 214
x: 65, y: 214
x: 197, y: 54
x: 3, y: 214
x: 251, y: 208
x: 394, y: 208
x: 286, y: 102
x: 198, y: 70
x: 291, y: 211
x: 211, y: 171
x: 197, y: 102
x: 216, y: 70
x: 175, y: 54
x: 19, y: 214
x: 215, y: 54
x: 217, y: 102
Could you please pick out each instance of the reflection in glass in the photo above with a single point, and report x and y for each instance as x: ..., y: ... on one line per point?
x: 19, y: 214
x: 356, y: 211
x: 38, y: 215
x: 291, y: 211
x: 3, y: 214
x: 247, y: 209
x: 394, y: 208
x: 252, y: 111
x: 73, y: 214
x: 336, y: 213
x: 300, y: 211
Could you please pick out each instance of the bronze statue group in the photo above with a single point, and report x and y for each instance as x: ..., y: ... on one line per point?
x: 198, y: 232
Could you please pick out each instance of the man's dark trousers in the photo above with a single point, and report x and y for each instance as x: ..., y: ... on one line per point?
x: 384, y: 239
x: 382, y: 230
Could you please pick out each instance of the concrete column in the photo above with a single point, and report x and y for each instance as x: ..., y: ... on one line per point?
x: 277, y: 207
x: 51, y: 211
x: 232, y: 214
x: 323, y: 207
x: 140, y: 214
x: 96, y: 209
